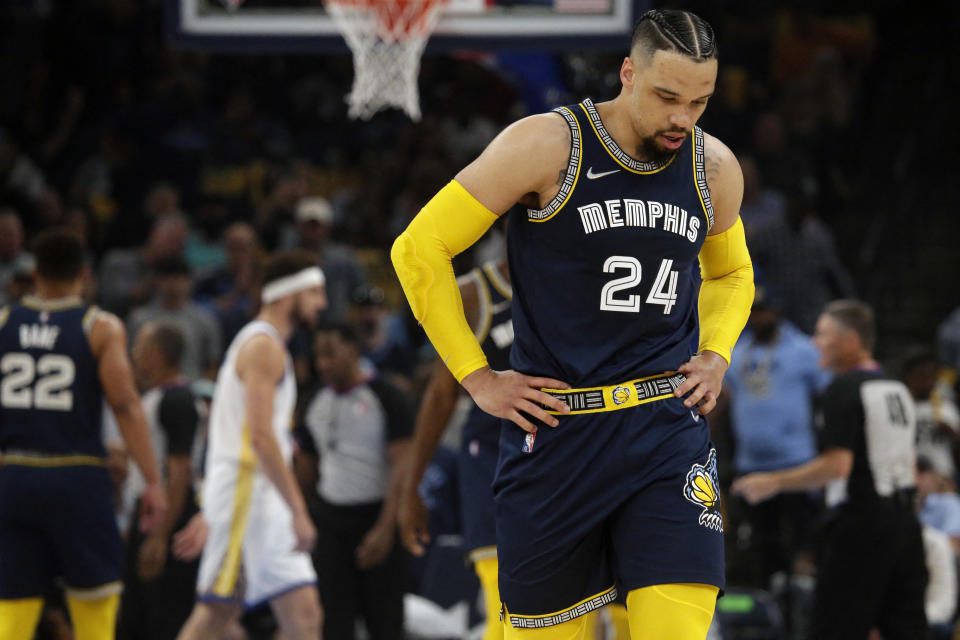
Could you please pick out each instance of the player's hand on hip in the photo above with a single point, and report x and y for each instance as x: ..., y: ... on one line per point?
x: 704, y: 379
x: 153, y: 507
x: 188, y: 542
x: 305, y: 532
x: 412, y: 518
x: 756, y: 487
x: 506, y: 393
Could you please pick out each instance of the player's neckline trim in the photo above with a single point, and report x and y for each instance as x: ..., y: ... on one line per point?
x: 618, y: 154
x: 55, y: 304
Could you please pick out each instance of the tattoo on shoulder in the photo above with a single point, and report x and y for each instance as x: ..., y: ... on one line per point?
x: 711, y: 164
x: 561, y: 176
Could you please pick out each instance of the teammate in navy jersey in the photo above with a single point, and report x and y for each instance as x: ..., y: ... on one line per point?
x: 606, y: 476
x: 59, y: 359
x: 486, y: 294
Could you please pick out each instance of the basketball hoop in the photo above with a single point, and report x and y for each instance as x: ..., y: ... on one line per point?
x: 387, y: 38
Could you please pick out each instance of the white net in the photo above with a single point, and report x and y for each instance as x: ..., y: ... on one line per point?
x: 387, y: 38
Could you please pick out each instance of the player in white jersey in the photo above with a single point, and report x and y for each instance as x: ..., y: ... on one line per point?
x: 260, y: 532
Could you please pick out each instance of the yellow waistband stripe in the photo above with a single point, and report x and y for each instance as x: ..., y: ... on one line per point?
x: 38, y: 460
x: 623, y: 395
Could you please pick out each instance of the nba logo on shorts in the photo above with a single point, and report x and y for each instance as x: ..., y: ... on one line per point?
x: 528, y: 442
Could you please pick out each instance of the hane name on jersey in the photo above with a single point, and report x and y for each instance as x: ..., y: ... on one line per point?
x: 630, y: 212
x: 43, y: 336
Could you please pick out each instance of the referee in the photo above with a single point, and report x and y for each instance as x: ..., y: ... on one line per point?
x: 871, y: 570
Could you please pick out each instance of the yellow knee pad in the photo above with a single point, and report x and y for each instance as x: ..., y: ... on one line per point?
x: 19, y: 617
x: 94, y: 618
x: 674, y: 611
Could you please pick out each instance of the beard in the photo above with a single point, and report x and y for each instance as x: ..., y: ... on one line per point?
x: 655, y: 152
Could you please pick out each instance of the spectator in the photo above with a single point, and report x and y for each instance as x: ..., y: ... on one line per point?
x: 339, y: 263
x: 201, y: 332
x: 939, y: 502
x: 159, y: 588
x: 772, y: 380
x: 358, y: 429
x: 229, y: 291
x: 798, y: 257
x: 383, y: 336
x: 12, y: 253
x: 938, y: 421
x: 125, y: 273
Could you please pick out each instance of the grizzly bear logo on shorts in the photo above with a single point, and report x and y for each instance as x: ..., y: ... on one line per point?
x: 701, y: 489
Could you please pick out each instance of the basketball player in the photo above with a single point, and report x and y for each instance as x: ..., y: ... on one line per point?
x: 59, y: 358
x: 606, y: 477
x: 260, y: 533
x: 486, y: 295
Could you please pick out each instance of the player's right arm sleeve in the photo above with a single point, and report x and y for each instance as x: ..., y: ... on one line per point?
x: 422, y: 256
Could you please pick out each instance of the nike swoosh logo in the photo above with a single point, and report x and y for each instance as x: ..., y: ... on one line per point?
x: 593, y: 176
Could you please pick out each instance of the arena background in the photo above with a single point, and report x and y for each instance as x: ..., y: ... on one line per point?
x: 115, y: 113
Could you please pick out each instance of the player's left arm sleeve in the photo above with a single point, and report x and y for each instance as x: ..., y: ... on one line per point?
x: 422, y: 256
x: 726, y: 294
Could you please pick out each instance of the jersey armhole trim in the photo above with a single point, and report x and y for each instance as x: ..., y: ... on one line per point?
x: 89, y: 318
x: 4, y: 314
x: 573, y: 171
x: 501, y: 285
x: 700, y: 176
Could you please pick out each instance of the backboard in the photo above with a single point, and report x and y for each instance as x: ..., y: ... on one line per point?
x: 304, y: 25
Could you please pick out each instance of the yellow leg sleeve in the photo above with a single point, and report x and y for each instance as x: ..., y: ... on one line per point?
x: 616, y: 622
x: 674, y: 611
x: 18, y: 618
x: 94, y: 619
x: 487, y: 572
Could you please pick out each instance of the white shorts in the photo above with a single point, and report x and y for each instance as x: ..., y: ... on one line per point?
x: 248, y: 557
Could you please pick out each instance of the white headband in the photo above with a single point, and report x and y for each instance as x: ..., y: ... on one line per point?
x: 294, y: 283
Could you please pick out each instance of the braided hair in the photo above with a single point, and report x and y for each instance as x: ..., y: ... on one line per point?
x: 675, y: 30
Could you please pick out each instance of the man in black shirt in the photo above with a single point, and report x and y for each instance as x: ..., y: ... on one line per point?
x: 159, y: 588
x: 871, y: 570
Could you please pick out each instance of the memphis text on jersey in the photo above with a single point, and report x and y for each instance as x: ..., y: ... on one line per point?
x: 629, y: 212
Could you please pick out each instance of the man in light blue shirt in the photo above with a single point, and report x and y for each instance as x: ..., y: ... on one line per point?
x: 772, y: 381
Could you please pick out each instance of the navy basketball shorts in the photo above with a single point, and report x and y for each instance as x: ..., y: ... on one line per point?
x: 477, y: 464
x: 607, y: 501
x: 58, y: 528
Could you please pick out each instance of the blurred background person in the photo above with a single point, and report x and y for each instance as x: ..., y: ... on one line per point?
x: 171, y: 303
x: 158, y: 587
x: 354, y: 435
x: 938, y: 420
x: 773, y: 379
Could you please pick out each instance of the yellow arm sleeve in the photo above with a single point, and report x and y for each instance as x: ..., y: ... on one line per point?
x: 422, y: 256
x: 726, y: 294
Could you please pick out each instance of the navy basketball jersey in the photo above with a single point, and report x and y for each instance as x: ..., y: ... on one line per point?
x: 50, y: 395
x: 606, y: 276
x: 495, y: 334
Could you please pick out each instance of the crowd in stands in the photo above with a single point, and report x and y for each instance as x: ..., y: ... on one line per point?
x: 183, y: 169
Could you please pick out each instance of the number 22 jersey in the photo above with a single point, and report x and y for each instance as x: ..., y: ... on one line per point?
x: 51, y: 400
x: 606, y: 275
